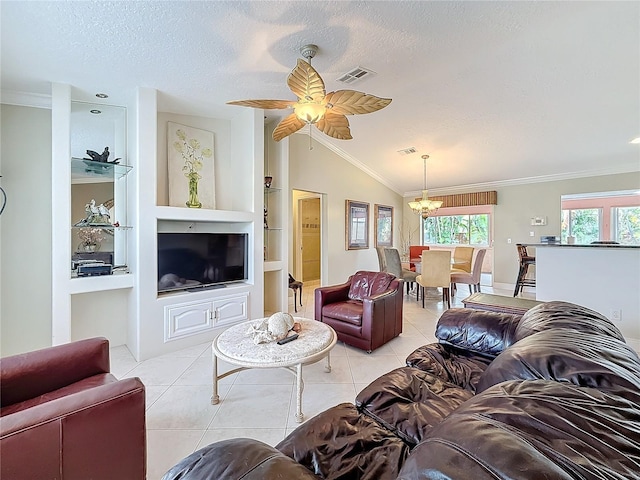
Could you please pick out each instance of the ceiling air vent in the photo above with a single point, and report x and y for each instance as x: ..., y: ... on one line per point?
x: 355, y: 75
x: 407, y: 151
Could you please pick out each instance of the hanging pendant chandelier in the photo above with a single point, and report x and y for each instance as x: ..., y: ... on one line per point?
x: 425, y: 207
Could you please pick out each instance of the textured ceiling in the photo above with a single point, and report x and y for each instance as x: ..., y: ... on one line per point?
x: 492, y: 91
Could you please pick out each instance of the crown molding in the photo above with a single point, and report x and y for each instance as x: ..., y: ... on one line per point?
x: 477, y: 187
x: 25, y: 99
x: 323, y: 140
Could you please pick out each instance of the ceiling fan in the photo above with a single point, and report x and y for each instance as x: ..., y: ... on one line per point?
x: 327, y: 111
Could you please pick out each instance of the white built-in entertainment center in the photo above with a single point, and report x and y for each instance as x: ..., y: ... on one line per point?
x: 125, y: 306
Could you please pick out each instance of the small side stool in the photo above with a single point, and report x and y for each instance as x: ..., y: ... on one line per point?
x: 295, y: 285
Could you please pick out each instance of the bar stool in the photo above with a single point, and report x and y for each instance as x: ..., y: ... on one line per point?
x: 295, y: 285
x: 525, y: 261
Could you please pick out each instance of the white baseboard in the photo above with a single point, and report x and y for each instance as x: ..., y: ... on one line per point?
x: 504, y: 286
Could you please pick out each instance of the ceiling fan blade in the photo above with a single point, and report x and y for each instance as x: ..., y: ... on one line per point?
x: 335, y: 125
x: 265, y: 104
x: 305, y: 82
x: 287, y: 126
x: 350, y: 102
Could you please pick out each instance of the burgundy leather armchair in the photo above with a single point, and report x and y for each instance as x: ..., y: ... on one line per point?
x: 365, y: 311
x: 64, y: 416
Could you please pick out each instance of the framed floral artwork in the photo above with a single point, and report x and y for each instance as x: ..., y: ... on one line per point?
x: 191, y: 167
x: 357, y: 225
x: 384, y: 225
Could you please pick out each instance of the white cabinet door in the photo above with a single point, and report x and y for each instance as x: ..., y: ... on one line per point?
x: 232, y: 309
x: 186, y: 319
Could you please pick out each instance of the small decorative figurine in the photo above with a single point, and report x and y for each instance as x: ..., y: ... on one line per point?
x: 96, y: 215
x: 101, y: 157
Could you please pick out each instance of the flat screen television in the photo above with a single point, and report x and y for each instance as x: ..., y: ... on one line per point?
x: 189, y: 261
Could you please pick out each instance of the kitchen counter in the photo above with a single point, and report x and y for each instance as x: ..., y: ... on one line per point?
x: 604, y: 278
x: 576, y: 245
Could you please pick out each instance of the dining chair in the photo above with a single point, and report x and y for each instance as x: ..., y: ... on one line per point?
x: 473, y: 278
x: 382, y: 262
x: 525, y: 260
x: 436, y: 272
x: 415, y: 251
x: 394, y: 267
x: 462, y: 257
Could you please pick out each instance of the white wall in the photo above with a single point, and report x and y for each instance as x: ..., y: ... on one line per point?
x: 322, y: 171
x: 25, y: 229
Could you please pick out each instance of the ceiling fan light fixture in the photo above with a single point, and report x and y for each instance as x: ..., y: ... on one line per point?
x: 309, y: 112
x: 314, y: 106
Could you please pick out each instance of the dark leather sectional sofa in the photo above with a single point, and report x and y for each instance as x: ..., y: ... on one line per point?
x: 554, y: 394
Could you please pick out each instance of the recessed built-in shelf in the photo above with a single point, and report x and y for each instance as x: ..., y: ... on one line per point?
x: 100, y: 283
x: 81, y: 169
x: 203, y: 215
x: 104, y: 226
x: 272, y: 265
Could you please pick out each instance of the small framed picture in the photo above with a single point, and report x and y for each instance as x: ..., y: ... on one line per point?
x: 357, y: 225
x: 384, y: 225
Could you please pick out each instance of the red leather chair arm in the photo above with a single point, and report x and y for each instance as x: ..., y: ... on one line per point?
x: 377, y: 308
x: 99, y: 431
x: 32, y: 374
x: 332, y: 294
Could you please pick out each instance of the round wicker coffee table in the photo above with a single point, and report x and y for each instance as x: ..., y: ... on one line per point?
x: 234, y: 346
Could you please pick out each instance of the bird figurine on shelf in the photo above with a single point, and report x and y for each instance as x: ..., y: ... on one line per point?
x: 101, y: 157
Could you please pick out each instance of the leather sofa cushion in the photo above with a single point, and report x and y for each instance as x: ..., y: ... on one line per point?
x: 451, y: 364
x: 243, y: 458
x: 349, y: 311
x: 342, y: 443
x: 366, y: 284
x: 533, y: 429
x: 566, y: 355
x: 564, y: 315
x: 487, y: 333
x: 410, y: 402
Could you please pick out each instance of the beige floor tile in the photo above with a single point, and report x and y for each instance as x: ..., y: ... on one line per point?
x: 184, y: 407
x: 367, y: 369
x: 316, y: 372
x: 152, y: 393
x: 122, y: 362
x: 200, y: 372
x: 191, y: 352
x: 161, y: 370
x: 264, y: 376
x: 165, y: 448
x: 402, y: 346
x: 259, y: 406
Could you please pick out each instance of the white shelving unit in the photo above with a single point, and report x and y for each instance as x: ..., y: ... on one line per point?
x: 276, y: 235
x: 126, y: 307
x: 74, y: 130
x: 178, y: 320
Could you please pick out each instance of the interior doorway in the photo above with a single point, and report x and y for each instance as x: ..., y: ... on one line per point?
x: 308, y: 235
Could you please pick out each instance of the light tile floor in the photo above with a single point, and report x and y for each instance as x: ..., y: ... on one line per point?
x: 260, y: 404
